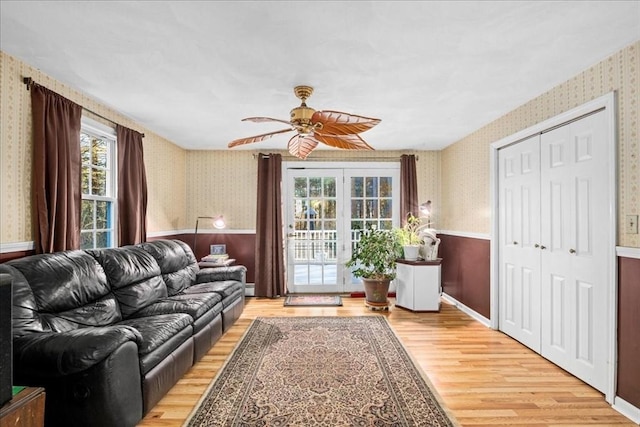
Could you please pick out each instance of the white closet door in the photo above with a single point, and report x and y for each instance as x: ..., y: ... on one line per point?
x: 575, y: 267
x: 519, y: 186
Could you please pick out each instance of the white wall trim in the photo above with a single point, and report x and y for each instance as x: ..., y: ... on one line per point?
x: 623, y: 251
x: 200, y: 231
x: 29, y: 246
x: 16, y: 247
x: 169, y: 233
x: 465, y: 234
x: 608, y: 103
x: 474, y: 314
x: 627, y: 409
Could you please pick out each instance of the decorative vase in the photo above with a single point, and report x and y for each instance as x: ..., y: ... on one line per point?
x: 411, y: 252
x: 375, y: 292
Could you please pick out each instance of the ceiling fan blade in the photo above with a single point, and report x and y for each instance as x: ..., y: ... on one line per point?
x: 347, y: 142
x: 302, y: 146
x: 337, y: 123
x: 264, y: 119
x: 257, y: 138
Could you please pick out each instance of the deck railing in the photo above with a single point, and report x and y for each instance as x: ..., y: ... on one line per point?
x: 317, y: 245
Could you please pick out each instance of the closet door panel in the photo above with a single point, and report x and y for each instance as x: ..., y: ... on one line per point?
x: 589, y: 251
x: 519, y: 186
x: 575, y: 270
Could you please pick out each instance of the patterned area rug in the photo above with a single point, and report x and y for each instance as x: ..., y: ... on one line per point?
x: 319, y: 371
x: 313, y: 300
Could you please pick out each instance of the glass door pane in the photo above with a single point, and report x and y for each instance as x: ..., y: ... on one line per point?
x: 373, y: 199
x: 313, y: 232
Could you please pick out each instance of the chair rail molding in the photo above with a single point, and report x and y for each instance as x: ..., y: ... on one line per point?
x: 626, y: 252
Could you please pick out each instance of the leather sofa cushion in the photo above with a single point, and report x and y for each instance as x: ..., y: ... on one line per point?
x: 161, y: 335
x: 134, y: 276
x: 195, y: 305
x: 55, y: 354
x: 103, y: 312
x: 25, y: 316
x: 218, y: 274
x: 182, y: 339
x: 158, y: 329
x: 59, y: 292
x: 225, y: 288
x: 231, y: 299
x: 177, y: 263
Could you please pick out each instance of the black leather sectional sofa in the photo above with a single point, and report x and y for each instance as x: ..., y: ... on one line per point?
x: 108, y: 332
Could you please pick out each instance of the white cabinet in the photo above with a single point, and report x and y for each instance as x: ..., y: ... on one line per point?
x: 418, y: 285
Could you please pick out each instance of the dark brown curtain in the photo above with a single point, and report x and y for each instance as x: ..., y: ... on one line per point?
x: 408, y: 187
x: 132, y: 188
x: 57, y: 188
x: 269, y: 275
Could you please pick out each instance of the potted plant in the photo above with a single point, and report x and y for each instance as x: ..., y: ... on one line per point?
x: 409, y: 237
x: 374, y: 258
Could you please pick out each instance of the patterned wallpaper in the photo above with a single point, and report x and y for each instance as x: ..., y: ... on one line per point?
x: 225, y: 182
x: 465, y: 164
x: 167, y: 195
x: 185, y: 184
x: 222, y: 182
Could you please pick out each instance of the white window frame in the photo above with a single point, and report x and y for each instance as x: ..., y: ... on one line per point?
x: 97, y: 129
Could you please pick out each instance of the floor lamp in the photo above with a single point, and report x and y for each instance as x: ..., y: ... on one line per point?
x: 217, y: 222
x: 425, y: 210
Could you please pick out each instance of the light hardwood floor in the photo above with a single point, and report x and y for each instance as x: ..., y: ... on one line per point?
x: 484, y: 377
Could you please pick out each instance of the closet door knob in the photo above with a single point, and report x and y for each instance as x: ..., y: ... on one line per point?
x: 536, y: 245
x: 543, y: 247
x: 572, y: 251
x: 515, y: 243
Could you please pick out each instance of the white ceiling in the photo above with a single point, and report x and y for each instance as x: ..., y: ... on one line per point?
x: 433, y: 71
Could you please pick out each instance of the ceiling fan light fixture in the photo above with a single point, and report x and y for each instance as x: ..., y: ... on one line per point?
x: 332, y: 128
x: 301, y: 118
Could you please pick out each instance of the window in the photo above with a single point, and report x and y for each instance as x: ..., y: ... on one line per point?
x: 99, y: 198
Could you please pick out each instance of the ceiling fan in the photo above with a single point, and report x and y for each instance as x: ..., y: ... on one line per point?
x: 333, y: 128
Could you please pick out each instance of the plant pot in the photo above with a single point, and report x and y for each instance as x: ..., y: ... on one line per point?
x: 375, y: 292
x: 411, y: 252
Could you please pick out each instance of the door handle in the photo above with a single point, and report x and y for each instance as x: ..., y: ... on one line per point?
x: 543, y: 247
x: 515, y: 243
x: 572, y: 251
x: 536, y: 245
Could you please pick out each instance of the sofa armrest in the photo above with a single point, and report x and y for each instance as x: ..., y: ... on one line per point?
x: 63, y: 353
x: 218, y: 274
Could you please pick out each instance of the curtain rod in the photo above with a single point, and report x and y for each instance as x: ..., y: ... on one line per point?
x: 255, y: 156
x: 28, y: 81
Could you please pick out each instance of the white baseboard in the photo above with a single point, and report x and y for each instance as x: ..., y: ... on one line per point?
x: 627, y: 409
x: 250, y: 290
x: 477, y: 316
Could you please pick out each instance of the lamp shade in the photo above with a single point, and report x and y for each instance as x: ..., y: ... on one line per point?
x: 425, y: 208
x: 218, y: 222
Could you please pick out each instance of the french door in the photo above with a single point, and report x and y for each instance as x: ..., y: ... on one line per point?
x: 325, y: 209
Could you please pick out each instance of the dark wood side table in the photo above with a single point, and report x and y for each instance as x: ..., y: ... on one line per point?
x: 26, y: 409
